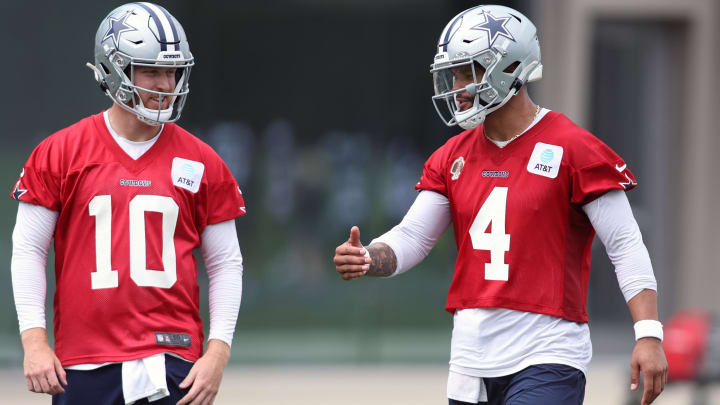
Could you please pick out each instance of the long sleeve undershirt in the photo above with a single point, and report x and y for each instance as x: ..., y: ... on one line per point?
x: 33, y: 234
x: 610, y: 215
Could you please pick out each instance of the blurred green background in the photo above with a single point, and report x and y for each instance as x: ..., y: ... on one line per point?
x: 322, y: 111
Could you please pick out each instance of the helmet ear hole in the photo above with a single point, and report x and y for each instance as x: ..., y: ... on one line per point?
x: 512, y: 68
x: 105, y: 68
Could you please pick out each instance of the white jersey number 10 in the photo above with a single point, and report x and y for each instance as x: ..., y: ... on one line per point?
x: 104, y: 276
x: 496, y: 241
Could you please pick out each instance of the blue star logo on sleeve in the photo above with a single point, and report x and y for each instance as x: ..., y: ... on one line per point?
x: 117, y: 27
x: 495, y: 27
x: 18, y: 192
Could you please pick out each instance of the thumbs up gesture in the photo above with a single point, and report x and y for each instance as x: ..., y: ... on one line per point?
x: 350, y: 260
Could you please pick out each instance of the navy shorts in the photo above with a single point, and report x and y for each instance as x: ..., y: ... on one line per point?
x: 542, y: 384
x: 103, y: 386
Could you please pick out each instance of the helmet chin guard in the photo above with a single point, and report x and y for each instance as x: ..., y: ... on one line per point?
x: 470, y: 118
x: 153, y: 117
x: 501, y: 48
x: 142, y: 34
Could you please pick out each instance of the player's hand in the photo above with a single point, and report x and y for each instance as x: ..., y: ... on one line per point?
x: 206, y: 374
x: 43, y: 371
x: 648, y: 358
x: 350, y: 260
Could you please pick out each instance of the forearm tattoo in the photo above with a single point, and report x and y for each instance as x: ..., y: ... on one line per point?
x: 383, y: 258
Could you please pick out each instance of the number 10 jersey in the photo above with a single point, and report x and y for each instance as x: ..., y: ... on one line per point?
x: 523, y: 240
x: 126, y: 279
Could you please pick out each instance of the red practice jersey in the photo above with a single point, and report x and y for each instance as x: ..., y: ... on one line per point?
x: 126, y: 279
x: 523, y: 240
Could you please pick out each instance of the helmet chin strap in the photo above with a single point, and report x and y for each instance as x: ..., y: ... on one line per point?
x: 98, y: 78
x: 96, y: 71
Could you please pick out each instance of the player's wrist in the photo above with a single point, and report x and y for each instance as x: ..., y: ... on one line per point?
x: 218, y: 349
x: 34, y: 335
x: 648, y: 328
x: 35, y: 340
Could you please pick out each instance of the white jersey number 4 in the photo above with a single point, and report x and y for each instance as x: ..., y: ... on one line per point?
x: 496, y: 241
x: 105, y: 277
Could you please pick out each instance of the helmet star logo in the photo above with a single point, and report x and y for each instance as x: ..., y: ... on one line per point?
x: 117, y: 27
x: 495, y: 27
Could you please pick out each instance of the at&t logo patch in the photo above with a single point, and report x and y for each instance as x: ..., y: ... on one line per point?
x: 545, y: 160
x: 187, y: 174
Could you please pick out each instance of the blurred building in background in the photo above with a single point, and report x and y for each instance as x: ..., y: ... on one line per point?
x: 322, y: 111
x: 643, y: 76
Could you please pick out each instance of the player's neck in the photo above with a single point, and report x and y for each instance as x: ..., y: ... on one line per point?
x: 511, y: 119
x: 128, y: 126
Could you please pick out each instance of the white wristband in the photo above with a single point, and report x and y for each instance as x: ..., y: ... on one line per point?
x: 648, y: 328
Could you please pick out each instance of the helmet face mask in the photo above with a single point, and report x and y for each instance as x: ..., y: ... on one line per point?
x: 446, y: 96
x: 129, y: 94
x: 501, y: 48
x: 142, y: 35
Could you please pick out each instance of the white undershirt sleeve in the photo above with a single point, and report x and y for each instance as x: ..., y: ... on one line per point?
x: 615, y: 225
x: 34, y: 229
x: 223, y: 260
x: 423, y: 225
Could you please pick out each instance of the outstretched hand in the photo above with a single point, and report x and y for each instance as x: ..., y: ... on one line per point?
x: 350, y: 260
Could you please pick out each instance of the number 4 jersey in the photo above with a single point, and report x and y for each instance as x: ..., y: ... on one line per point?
x: 523, y: 240
x: 126, y: 279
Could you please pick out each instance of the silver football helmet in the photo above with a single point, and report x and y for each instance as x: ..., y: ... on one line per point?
x: 500, y: 40
x: 142, y: 34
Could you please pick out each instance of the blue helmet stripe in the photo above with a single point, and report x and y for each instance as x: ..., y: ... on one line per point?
x: 158, y: 24
x: 172, y: 24
x: 446, y: 40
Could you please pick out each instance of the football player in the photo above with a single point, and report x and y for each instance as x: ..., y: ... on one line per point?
x: 526, y: 190
x: 127, y: 195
